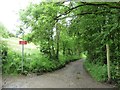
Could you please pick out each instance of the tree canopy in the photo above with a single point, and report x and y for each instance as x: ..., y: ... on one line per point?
x: 3, y: 31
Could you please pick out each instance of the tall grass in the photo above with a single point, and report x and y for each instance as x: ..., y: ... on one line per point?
x: 97, y: 71
x: 33, y: 63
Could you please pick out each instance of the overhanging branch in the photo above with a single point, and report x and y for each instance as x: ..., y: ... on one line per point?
x: 88, y: 13
x: 87, y: 4
x: 103, y: 4
x: 67, y: 12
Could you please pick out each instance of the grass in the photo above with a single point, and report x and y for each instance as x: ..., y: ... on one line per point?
x: 97, y: 71
x: 34, y: 61
x: 13, y: 44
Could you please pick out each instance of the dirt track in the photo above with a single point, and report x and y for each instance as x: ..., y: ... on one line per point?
x: 72, y: 76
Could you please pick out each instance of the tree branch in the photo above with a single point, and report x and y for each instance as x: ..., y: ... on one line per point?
x: 87, y: 4
x: 103, y: 4
x: 88, y: 13
x: 68, y: 11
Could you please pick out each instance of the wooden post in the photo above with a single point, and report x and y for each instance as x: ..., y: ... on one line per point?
x: 22, y: 62
x: 22, y: 56
x: 108, y: 62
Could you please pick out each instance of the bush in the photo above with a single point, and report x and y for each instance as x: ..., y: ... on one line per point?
x: 3, y: 46
x: 3, y: 31
x: 35, y: 63
x: 3, y: 49
x: 115, y: 73
x: 97, y: 71
x: 12, y: 63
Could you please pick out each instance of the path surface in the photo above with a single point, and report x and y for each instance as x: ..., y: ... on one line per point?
x: 72, y: 76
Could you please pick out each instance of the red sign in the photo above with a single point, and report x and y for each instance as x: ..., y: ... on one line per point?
x: 23, y: 42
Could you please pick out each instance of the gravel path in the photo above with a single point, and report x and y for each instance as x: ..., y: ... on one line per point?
x: 71, y: 76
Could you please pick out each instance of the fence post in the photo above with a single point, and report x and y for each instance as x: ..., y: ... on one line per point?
x: 108, y: 62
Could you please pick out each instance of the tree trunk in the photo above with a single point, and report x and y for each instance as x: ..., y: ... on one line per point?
x: 57, y: 42
x: 63, y: 49
x: 52, y: 49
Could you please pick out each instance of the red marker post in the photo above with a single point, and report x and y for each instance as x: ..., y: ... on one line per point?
x: 22, y: 43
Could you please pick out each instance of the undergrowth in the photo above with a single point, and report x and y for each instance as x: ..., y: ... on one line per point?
x: 33, y: 63
x: 99, y: 72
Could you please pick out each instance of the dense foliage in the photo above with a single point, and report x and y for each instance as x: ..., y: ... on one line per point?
x: 33, y: 63
x: 93, y: 69
x: 74, y: 28
x: 52, y: 35
x: 3, y: 31
x: 96, y: 30
x: 3, y: 48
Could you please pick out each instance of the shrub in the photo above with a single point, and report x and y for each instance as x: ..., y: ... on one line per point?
x: 97, y: 71
x: 12, y: 63
x: 35, y: 63
x: 3, y: 31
